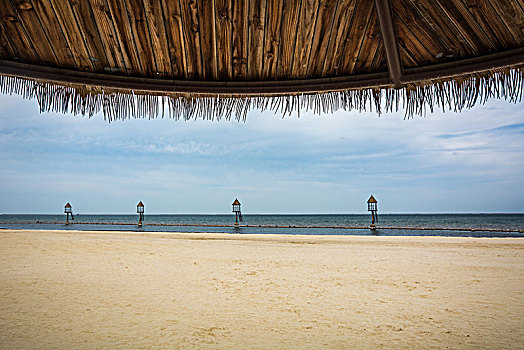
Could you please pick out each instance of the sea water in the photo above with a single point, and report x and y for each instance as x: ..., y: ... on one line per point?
x: 189, y: 223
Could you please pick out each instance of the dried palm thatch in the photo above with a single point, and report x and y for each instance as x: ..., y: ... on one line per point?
x: 415, y: 99
x: 155, y: 58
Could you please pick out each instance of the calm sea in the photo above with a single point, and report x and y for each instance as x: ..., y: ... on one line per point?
x: 187, y: 223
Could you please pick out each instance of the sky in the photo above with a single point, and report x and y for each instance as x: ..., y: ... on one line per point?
x: 465, y: 162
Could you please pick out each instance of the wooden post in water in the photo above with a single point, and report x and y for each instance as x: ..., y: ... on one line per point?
x: 236, y: 210
x: 140, y: 211
x: 68, y: 210
x: 372, y: 207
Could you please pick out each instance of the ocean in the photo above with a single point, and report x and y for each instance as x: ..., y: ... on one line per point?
x: 483, y: 225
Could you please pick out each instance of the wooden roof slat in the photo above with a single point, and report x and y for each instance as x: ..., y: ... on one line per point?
x: 124, y: 35
x: 157, y: 32
x: 272, y: 38
x: 6, y: 49
x: 257, y: 18
x: 240, y: 36
x: 341, y: 24
x: 175, y: 37
x: 447, y: 34
x: 208, y: 39
x: 349, y: 56
x: 370, y: 46
x: 379, y: 62
x: 340, y: 56
x: 321, y: 38
x: 416, y: 48
x: 140, y: 30
x: 405, y: 57
x: 29, y: 23
x: 520, y: 3
x: 464, y: 21
x: 417, y: 34
x: 491, y: 24
x: 512, y: 15
x: 89, y: 28
x: 117, y: 58
x: 191, y: 30
x: 106, y: 32
x: 73, y: 35
x: 288, y: 34
x: 305, y: 33
x: 62, y: 48
x: 16, y: 37
x: 223, y: 37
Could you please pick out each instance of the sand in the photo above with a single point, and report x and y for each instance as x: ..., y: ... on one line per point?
x: 108, y: 290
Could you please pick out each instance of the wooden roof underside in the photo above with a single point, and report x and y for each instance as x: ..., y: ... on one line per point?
x: 257, y: 47
x: 251, y: 40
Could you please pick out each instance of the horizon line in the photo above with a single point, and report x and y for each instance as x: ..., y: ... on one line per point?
x: 213, y: 214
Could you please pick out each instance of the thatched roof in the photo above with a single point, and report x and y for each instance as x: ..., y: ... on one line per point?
x: 221, y: 58
x: 372, y: 199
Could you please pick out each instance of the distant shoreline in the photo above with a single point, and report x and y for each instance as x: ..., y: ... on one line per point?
x: 269, y: 214
x: 407, y: 228
x: 274, y: 237
x: 277, y: 237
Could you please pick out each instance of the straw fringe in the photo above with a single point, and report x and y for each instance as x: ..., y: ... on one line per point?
x: 461, y: 92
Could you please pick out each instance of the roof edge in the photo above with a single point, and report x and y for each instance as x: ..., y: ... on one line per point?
x: 66, y: 77
x: 437, y: 90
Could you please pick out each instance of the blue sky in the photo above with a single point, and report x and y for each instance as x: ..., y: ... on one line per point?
x: 445, y: 162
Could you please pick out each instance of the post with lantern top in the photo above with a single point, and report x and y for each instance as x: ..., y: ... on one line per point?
x: 68, y: 210
x: 140, y: 211
x: 236, y: 210
x: 372, y: 207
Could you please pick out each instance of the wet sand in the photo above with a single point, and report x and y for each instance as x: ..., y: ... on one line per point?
x: 86, y: 290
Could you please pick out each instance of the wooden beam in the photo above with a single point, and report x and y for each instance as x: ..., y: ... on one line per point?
x: 206, y: 88
x: 470, y: 66
x: 461, y: 68
x: 390, y: 41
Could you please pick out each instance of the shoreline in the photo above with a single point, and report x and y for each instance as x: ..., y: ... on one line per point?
x: 275, y: 237
x: 399, y: 228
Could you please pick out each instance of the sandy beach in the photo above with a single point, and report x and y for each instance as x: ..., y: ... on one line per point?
x: 109, y: 290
